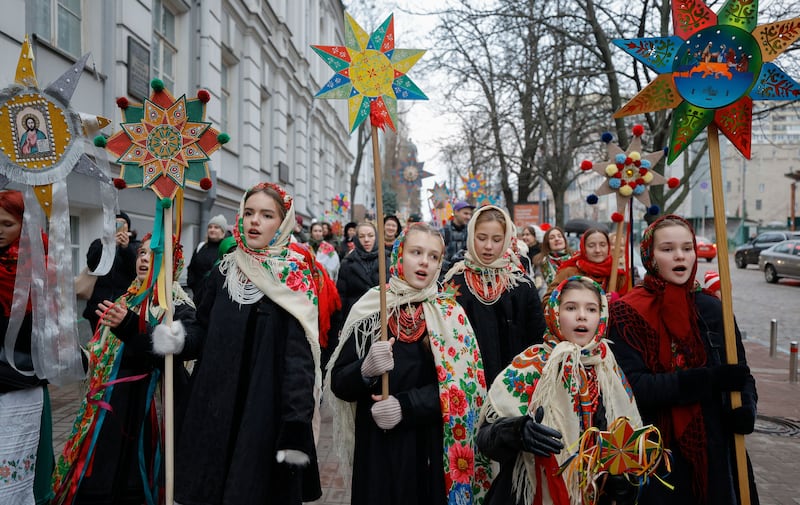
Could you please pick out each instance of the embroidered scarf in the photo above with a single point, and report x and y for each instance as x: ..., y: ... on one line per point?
x: 462, y: 386
x: 279, y: 273
x: 551, y: 263
x: 105, y: 352
x: 488, y: 282
x: 555, y: 375
x: 672, y: 343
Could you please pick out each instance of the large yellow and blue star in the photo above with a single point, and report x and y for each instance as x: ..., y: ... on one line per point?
x: 370, y: 73
x: 712, y: 69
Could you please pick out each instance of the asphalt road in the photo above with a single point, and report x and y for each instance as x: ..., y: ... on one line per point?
x: 756, y: 303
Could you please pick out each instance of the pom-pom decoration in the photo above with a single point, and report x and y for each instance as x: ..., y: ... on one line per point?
x: 164, y: 144
x: 586, y: 165
x: 203, y: 95
x: 205, y: 183
x: 100, y: 141
x: 165, y: 203
x: 545, y: 226
x: 120, y: 183
x: 617, y: 217
x: 122, y: 102
x: 591, y: 199
x: 638, y: 130
x: 654, y: 210
x: 223, y: 138
x: 673, y: 182
x: 606, y: 137
x: 370, y: 73
x: 628, y: 174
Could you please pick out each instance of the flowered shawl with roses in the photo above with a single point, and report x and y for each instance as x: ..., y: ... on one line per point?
x: 279, y: 273
x: 555, y: 375
x: 462, y: 386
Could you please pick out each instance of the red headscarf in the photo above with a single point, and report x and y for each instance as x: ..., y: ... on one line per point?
x: 11, y: 202
x: 671, y: 342
x: 599, y: 272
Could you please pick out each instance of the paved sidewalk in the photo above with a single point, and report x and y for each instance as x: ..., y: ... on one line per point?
x: 774, y: 448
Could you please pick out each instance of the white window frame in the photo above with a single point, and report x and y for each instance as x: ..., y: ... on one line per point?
x: 38, y: 10
x: 162, y: 44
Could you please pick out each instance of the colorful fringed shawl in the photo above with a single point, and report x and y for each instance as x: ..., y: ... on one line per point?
x: 462, y: 386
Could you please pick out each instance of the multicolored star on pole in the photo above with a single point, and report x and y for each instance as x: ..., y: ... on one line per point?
x: 474, y: 184
x: 712, y: 69
x: 628, y: 174
x: 411, y: 173
x: 439, y: 195
x: 165, y: 143
x: 370, y: 73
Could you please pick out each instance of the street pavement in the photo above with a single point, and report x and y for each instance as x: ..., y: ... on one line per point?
x: 774, y: 448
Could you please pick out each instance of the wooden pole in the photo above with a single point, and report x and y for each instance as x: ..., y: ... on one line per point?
x: 376, y: 166
x: 169, y: 393
x: 619, y: 240
x: 718, y: 197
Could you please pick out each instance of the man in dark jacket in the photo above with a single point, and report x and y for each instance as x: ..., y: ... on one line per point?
x: 123, y: 271
x: 455, y: 234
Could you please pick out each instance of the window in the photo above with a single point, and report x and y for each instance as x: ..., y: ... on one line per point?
x: 74, y: 237
x: 728, y: 186
x: 164, y: 50
x: 761, y: 188
x: 225, y: 98
x: 758, y: 204
x: 59, y: 22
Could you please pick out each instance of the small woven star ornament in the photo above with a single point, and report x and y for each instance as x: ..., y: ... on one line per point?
x: 164, y: 143
x: 628, y: 174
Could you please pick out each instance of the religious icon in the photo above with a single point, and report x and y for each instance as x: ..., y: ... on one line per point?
x: 31, y: 127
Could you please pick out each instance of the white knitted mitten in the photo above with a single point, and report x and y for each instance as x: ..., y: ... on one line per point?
x: 168, y: 339
x: 379, y: 359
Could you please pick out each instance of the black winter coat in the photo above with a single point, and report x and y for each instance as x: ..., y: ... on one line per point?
x: 357, y: 274
x: 251, y: 396
x: 402, y: 465
x: 657, y: 393
x: 197, y: 273
x: 113, y: 284
x: 507, y: 327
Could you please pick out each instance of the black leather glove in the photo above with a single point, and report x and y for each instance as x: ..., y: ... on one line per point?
x: 538, y: 438
x: 730, y: 377
x: 742, y: 420
x: 620, y: 490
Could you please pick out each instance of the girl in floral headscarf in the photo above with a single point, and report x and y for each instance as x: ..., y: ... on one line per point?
x: 500, y: 300
x: 549, y: 395
x: 249, y: 429
x: 117, y: 430
x: 418, y: 445
x: 669, y: 339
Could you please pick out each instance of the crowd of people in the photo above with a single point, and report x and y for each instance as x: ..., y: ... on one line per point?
x: 503, y: 348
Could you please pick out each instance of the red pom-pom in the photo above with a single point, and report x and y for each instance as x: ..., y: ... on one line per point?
x: 618, y: 175
x: 642, y: 171
x: 638, y: 163
x: 620, y: 165
x: 586, y: 165
x: 638, y: 130
x: 120, y: 183
x: 544, y: 226
x: 639, y: 181
x: 205, y: 183
x: 617, y: 217
x: 628, y: 161
x: 673, y: 182
x: 203, y: 95
x: 632, y: 184
x: 122, y: 102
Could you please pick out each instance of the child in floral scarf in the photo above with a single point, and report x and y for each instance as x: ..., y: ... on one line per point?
x: 418, y: 445
x: 549, y: 395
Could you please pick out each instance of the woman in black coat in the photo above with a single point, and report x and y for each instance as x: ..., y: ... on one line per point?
x: 248, y: 434
x: 669, y: 340
x: 359, y: 269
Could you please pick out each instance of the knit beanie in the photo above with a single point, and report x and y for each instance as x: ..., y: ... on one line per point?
x: 219, y: 220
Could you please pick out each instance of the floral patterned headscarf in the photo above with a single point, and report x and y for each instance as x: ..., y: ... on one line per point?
x: 462, y: 384
x: 277, y: 272
x: 563, y: 378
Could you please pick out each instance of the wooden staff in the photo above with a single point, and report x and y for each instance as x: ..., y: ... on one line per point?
x: 615, y: 250
x: 376, y: 166
x: 718, y: 198
x: 169, y: 393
